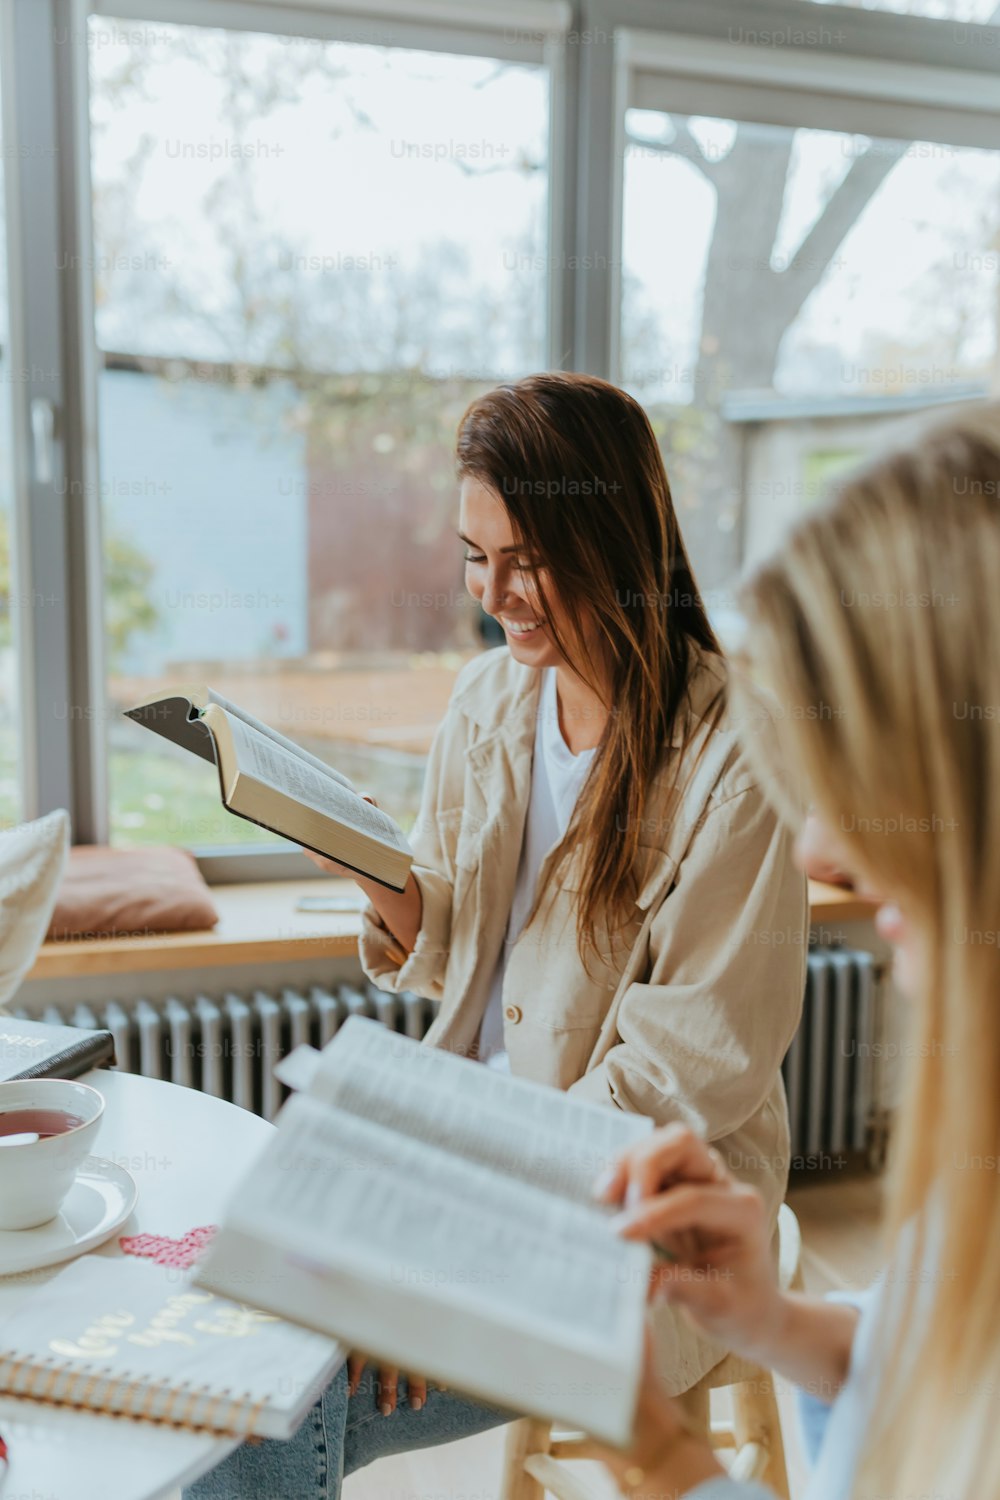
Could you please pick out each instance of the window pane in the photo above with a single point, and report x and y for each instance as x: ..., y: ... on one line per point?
x: 305, y: 270
x: 789, y: 293
x: 13, y: 602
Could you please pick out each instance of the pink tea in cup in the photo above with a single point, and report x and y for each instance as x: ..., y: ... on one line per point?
x: 38, y: 1122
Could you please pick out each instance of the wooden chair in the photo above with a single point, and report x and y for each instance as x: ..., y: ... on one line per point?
x: 534, y: 1454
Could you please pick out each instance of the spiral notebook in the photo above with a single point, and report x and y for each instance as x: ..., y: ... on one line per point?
x: 133, y: 1339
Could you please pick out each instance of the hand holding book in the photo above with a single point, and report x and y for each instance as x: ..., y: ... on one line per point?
x: 676, y: 1192
x: 269, y: 780
x: 400, y: 911
x: 441, y: 1217
x: 666, y: 1457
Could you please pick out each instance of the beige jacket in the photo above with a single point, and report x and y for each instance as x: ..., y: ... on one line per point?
x: 701, y: 997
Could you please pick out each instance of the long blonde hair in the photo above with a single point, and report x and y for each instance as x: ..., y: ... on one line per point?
x: 877, y: 631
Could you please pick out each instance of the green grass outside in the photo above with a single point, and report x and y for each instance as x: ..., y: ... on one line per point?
x: 156, y: 799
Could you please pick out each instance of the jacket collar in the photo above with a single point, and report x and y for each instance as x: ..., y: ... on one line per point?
x: 508, y: 716
x: 513, y: 702
x: 707, y: 678
x: 514, y: 689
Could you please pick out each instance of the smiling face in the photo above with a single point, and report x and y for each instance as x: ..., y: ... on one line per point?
x: 500, y: 574
x: 820, y: 853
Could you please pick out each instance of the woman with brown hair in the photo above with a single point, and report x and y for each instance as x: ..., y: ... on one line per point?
x: 602, y: 899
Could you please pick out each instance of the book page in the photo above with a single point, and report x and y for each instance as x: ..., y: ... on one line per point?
x: 345, y: 1193
x: 521, y: 1129
x: 236, y: 712
x: 266, y: 761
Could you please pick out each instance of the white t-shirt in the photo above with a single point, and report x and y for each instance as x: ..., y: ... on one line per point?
x: 557, y: 776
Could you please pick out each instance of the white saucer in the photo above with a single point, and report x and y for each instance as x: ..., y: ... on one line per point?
x: 98, y: 1203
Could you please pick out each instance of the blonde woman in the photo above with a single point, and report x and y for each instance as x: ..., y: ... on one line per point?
x: 877, y: 629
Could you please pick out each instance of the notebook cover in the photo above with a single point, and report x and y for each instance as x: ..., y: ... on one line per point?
x: 129, y: 1338
x: 32, y: 1049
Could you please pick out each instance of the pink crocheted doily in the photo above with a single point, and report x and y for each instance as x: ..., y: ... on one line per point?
x: 167, y: 1252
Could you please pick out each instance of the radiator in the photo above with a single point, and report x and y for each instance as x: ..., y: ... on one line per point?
x: 228, y: 1046
x: 829, y: 1070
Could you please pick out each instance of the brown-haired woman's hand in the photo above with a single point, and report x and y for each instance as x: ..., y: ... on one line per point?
x: 386, y: 1387
x: 330, y: 866
x: 711, y: 1231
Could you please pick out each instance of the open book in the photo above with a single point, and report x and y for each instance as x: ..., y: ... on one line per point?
x: 267, y: 779
x: 439, y: 1216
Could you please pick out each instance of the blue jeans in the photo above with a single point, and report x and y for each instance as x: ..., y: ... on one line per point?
x: 341, y: 1434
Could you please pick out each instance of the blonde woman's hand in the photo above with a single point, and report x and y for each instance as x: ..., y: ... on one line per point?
x: 664, y: 1457
x: 712, y: 1230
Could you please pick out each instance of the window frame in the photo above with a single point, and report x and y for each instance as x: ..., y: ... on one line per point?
x: 863, y: 73
x: 874, y: 67
x: 55, y: 517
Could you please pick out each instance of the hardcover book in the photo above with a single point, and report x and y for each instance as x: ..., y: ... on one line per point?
x: 269, y: 780
x: 33, y: 1049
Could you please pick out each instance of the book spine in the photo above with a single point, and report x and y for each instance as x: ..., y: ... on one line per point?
x: 96, y: 1049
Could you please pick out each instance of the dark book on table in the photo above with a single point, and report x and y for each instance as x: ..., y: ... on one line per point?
x: 33, y: 1049
x: 269, y: 780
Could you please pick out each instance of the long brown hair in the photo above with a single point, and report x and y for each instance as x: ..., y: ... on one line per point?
x: 577, y: 467
x: 876, y: 630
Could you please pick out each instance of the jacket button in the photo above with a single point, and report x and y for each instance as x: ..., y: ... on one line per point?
x: 513, y: 1013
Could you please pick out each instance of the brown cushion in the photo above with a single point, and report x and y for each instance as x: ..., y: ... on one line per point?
x: 130, y: 892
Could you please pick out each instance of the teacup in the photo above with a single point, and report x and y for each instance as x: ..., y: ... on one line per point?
x: 37, y: 1169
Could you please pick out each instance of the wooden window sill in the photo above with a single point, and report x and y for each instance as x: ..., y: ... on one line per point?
x: 258, y: 923
x: 833, y: 903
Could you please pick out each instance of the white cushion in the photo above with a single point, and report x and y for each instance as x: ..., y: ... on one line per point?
x: 32, y: 860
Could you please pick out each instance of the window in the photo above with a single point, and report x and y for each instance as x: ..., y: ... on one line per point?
x: 309, y: 256
x: 12, y: 601
x: 295, y: 242
x: 793, y: 290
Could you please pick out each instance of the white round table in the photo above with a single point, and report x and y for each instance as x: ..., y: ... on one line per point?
x: 186, y: 1152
